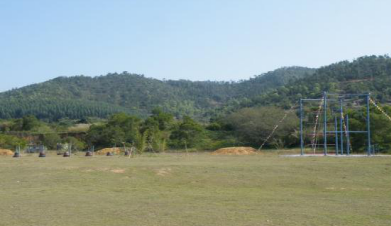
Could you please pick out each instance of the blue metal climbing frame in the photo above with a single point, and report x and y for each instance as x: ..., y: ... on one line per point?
x: 343, y: 124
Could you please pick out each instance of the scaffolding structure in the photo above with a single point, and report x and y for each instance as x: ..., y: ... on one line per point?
x: 333, y: 105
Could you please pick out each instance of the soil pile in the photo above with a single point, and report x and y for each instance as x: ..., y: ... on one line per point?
x: 115, y: 151
x: 6, y: 152
x: 235, y: 151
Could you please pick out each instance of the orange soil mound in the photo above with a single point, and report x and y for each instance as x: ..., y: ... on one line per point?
x: 235, y: 151
x: 6, y: 152
x: 115, y: 151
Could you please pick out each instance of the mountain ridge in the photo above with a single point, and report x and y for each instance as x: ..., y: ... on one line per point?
x: 82, y: 96
x: 135, y: 94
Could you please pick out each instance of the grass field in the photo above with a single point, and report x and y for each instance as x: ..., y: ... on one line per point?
x: 198, y: 189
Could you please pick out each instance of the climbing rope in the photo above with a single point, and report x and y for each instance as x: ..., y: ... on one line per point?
x: 316, y: 144
x: 314, y: 137
x: 275, y: 128
x: 380, y: 109
x: 346, y: 131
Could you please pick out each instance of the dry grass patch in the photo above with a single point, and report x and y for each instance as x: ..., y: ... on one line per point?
x: 79, y: 128
x: 115, y: 151
x: 6, y: 152
x: 235, y: 151
x: 163, y: 172
x: 117, y: 171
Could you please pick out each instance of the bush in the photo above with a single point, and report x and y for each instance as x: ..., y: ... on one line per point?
x: 77, y: 145
x: 51, y: 140
x: 10, y: 142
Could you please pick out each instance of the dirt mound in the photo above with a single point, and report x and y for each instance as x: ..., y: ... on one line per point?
x: 235, y: 151
x: 115, y: 151
x: 6, y: 152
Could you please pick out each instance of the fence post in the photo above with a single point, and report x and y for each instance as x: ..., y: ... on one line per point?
x: 325, y: 123
x: 341, y: 123
x: 368, y: 127
x: 347, y: 136
x: 336, y: 135
x: 301, y: 128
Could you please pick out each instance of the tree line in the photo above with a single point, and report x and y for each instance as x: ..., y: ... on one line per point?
x: 157, y: 133
x: 161, y: 131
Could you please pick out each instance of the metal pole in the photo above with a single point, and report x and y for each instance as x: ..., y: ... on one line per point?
x: 325, y: 123
x: 336, y: 135
x: 368, y: 127
x: 341, y: 124
x: 347, y: 136
x: 301, y: 128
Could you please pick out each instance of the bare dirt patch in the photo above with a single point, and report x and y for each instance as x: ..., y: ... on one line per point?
x: 235, y: 151
x: 117, y: 171
x: 349, y: 189
x: 163, y: 172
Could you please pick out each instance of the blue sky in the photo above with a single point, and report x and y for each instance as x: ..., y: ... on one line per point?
x: 184, y: 39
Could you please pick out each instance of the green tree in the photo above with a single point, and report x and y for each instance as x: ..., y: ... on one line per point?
x: 30, y: 122
x: 120, y: 128
x: 164, y: 119
x: 187, y: 134
x: 11, y: 142
x: 253, y: 125
x: 77, y: 144
x: 51, y: 140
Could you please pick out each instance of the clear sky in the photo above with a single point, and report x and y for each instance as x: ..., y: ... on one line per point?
x: 184, y: 39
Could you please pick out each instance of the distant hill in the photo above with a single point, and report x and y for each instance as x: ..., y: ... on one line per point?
x: 362, y: 75
x: 80, y: 96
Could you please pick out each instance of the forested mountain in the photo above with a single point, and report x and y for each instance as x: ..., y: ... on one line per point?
x: 365, y: 74
x: 80, y: 96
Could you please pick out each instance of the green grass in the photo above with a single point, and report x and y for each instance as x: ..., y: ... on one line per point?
x: 198, y: 189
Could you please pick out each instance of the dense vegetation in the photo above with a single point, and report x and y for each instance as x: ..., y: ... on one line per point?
x: 366, y: 74
x: 161, y: 131
x: 158, y: 132
x: 80, y: 97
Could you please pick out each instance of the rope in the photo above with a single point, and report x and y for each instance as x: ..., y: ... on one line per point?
x: 377, y: 106
x: 380, y: 109
x: 315, y: 147
x: 314, y: 137
x: 275, y: 128
x: 346, y: 130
